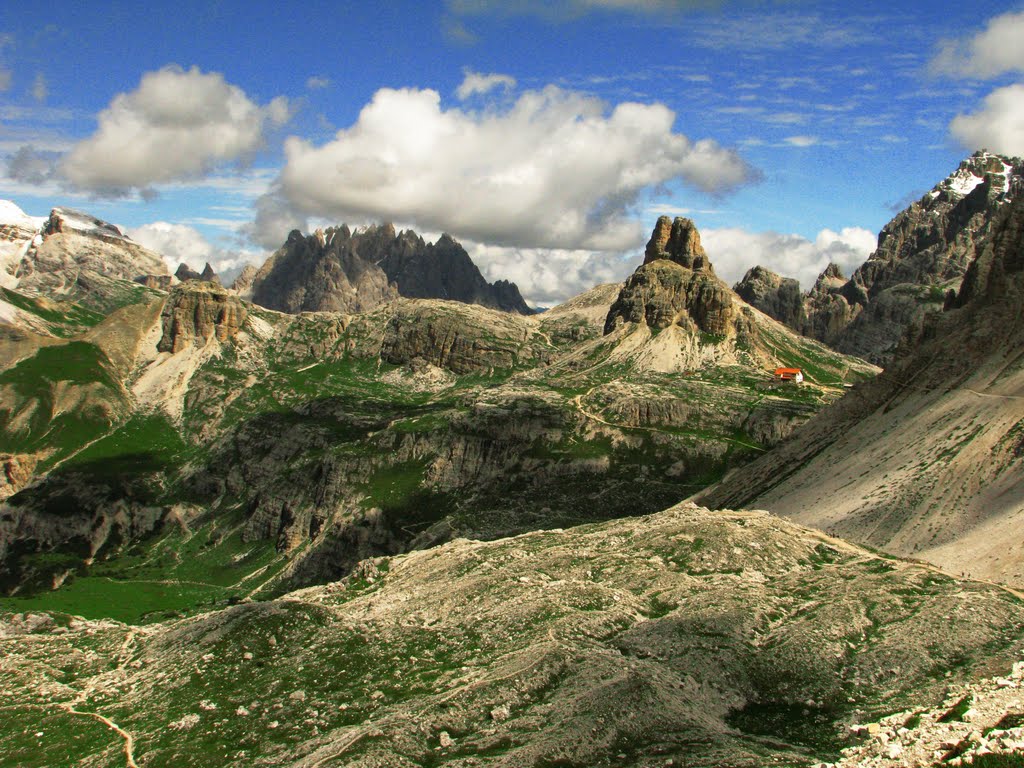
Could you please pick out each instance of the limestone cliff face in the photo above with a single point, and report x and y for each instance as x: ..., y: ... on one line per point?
x: 338, y: 270
x: 925, y: 460
x: 462, y: 343
x: 677, y: 240
x: 923, y: 253
x: 676, y: 285
x: 74, y: 250
x: 778, y: 297
x: 197, y: 311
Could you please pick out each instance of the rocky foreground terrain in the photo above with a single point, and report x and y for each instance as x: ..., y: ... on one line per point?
x: 686, y: 638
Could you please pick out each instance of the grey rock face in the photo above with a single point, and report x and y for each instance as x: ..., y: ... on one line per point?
x: 443, y: 270
x: 338, y: 270
x: 676, y: 285
x: 922, y: 253
x: 778, y: 297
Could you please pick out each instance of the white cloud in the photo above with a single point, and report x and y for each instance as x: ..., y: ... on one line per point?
x: 177, y: 124
x: 275, y: 218
x: 316, y: 82
x: 734, y: 251
x: 40, y: 90
x: 994, y: 51
x: 547, y: 277
x: 477, y: 83
x: 998, y: 126
x: 801, y: 141
x: 179, y: 243
x: 553, y: 169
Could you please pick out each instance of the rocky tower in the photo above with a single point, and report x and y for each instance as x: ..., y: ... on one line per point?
x: 677, y: 241
x: 338, y: 270
x: 197, y: 311
x: 676, y: 285
x: 778, y: 297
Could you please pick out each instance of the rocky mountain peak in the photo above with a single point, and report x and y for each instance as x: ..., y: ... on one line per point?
x: 208, y: 274
x: 923, y: 253
x: 675, y: 286
x: 185, y: 272
x: 73, y: 255
x: 70, y: 220
x: 677, y: 240
x: 832, y: 272
x: 197, y: 311
x: 999, y: 174
x: 778, y: 297
x: 336, y: 269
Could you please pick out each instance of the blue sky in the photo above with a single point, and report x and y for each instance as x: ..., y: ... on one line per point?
x: 545, y: 136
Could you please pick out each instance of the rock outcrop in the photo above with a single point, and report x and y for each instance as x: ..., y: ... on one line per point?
x: 242, y: 284
x: 15, y: 471
x: 778, y: 297
x: 75, y: 253
x: 922, y: 254
x: 676, y: 285
x: 338, y: 270
x: 457, y: 341
x: 677, y: 240
x: 827, y: 307
x: 925, y: 460
x: 197, y: 311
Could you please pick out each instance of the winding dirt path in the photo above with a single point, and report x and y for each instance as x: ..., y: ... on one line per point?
x: 129, y: 740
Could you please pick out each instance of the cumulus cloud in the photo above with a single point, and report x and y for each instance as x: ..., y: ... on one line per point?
x: 997, y: 126
x: 734, y: 251
x: 275, y: 218
x: 994, y: 51
x: 32, y: 166
x: 553, y: 169
x: 316, y: 82
x: 476, y: 83
x: 547, y: 277
x: 179, y: 243
x: 177, y: 124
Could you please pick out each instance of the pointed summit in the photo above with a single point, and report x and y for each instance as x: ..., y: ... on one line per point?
x: 677, y: 241
x: 209, y: 275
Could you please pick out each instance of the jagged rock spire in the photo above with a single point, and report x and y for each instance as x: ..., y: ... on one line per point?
x: 677, y: 241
